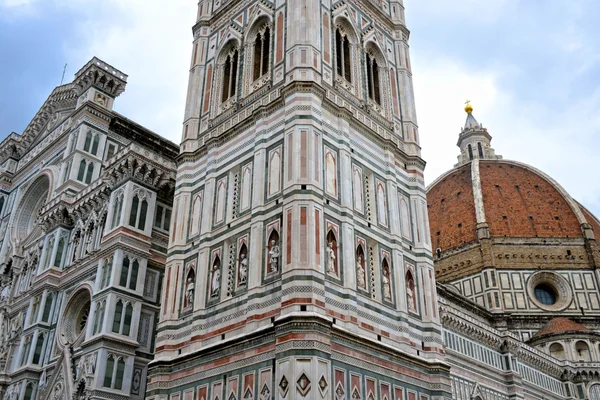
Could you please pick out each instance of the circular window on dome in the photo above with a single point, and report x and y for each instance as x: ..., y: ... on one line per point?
x: 545, y: 294
x: 549, y: 291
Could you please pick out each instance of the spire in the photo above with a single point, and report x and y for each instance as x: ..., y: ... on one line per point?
x: 471, y: 121
x: 474, y: 140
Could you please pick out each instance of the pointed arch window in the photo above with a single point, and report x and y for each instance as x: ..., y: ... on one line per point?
x: 116, y: 328
x: 117, y: 208
x: 230, y: 72
x: 99, y: 320
x: 28, y: 392
x: 470, y: 150
x: 108, y: 373
x: 60, y: 249
x: 26, y: 350
x: 127, y: 320
x: 119, y: 374
x: 262, y: 48
x: 39, y: 345
x: 139, y: 209
x: 480, y: 150
x: 124, y: 272
x: 106, y: 273
x: 373, y: 81
x: 134, y: 275
x: 88, y: 141
x: 343, y: 55
x: 86, y: 172
x: 1, y: 205
x: 47, y: 307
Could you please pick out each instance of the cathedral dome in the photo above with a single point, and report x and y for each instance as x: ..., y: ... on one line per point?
x: 514, y: 200
x: 525, y: 218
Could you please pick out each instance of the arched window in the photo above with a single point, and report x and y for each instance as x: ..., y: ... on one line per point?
x: 230, y: 72
x: 39, y: 345
x: 60, y: 249
x: 583, y: 351
x: 127, y: 320
x: 343, y: 55
x: 116, y: 216
x: 26, y: 350
x: 108, y: 373
x: 1, y: 205
x: 134, y: 275
x: 47, y: 308
x: 119, y: 374
x: 137, y: 216
x: 118, y: 316
x: 90, y: 173
x: 99, y: 320
x: 480, y: 150
x: 88, y: 141
x: 124, y: 272
x: 95, y: 143
x: 81, y: 173
x: 106, y: 273
x: 67, y: 171
x: 557, y: 351
x: 28, y: 392
x: 373, y: 82
x: 470, y: 149
x: 262, y: 48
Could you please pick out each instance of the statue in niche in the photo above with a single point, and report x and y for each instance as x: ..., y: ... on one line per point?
x: 361, y: 274
x: 274, y: 254
x: 243, y: 269
x: 331, y: 259
x: 216, y: 280
x: 3, y: 352
x: 387, y: 288
x: 410, y: 292
x: 90, y: 365
x: 189, y: 290
x: 80, y: 368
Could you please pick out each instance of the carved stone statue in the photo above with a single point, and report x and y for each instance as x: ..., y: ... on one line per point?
x: 216, y: 282
x: 331, y: 259
x: 361, y: 275
x: 90, y: 365
x: 387, y: 291
x: 189, y: 291
x: 274, y: 254
x: 80, y: 368
x: 411, y: 298
x: 243, y: 269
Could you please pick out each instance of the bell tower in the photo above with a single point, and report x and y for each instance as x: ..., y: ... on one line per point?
x: 299, y: 260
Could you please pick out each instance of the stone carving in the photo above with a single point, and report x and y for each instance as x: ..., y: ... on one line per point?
x: 216, y: 281
x: 274, y: 254
x: 90, y: 365
x: 331, y: 259
x: 387, y: 289
x: 361, y: 274
x: 189, y: 291
x: 80, y: 369
x: 43, y: 379
x: 243, y: 269
x: 410, y: 298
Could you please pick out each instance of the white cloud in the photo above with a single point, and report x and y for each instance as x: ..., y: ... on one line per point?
x: 151, y: 41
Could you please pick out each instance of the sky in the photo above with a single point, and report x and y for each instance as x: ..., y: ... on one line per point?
x: 530, y: 68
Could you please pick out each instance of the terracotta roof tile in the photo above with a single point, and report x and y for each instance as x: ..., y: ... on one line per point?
x: 558, y: 325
